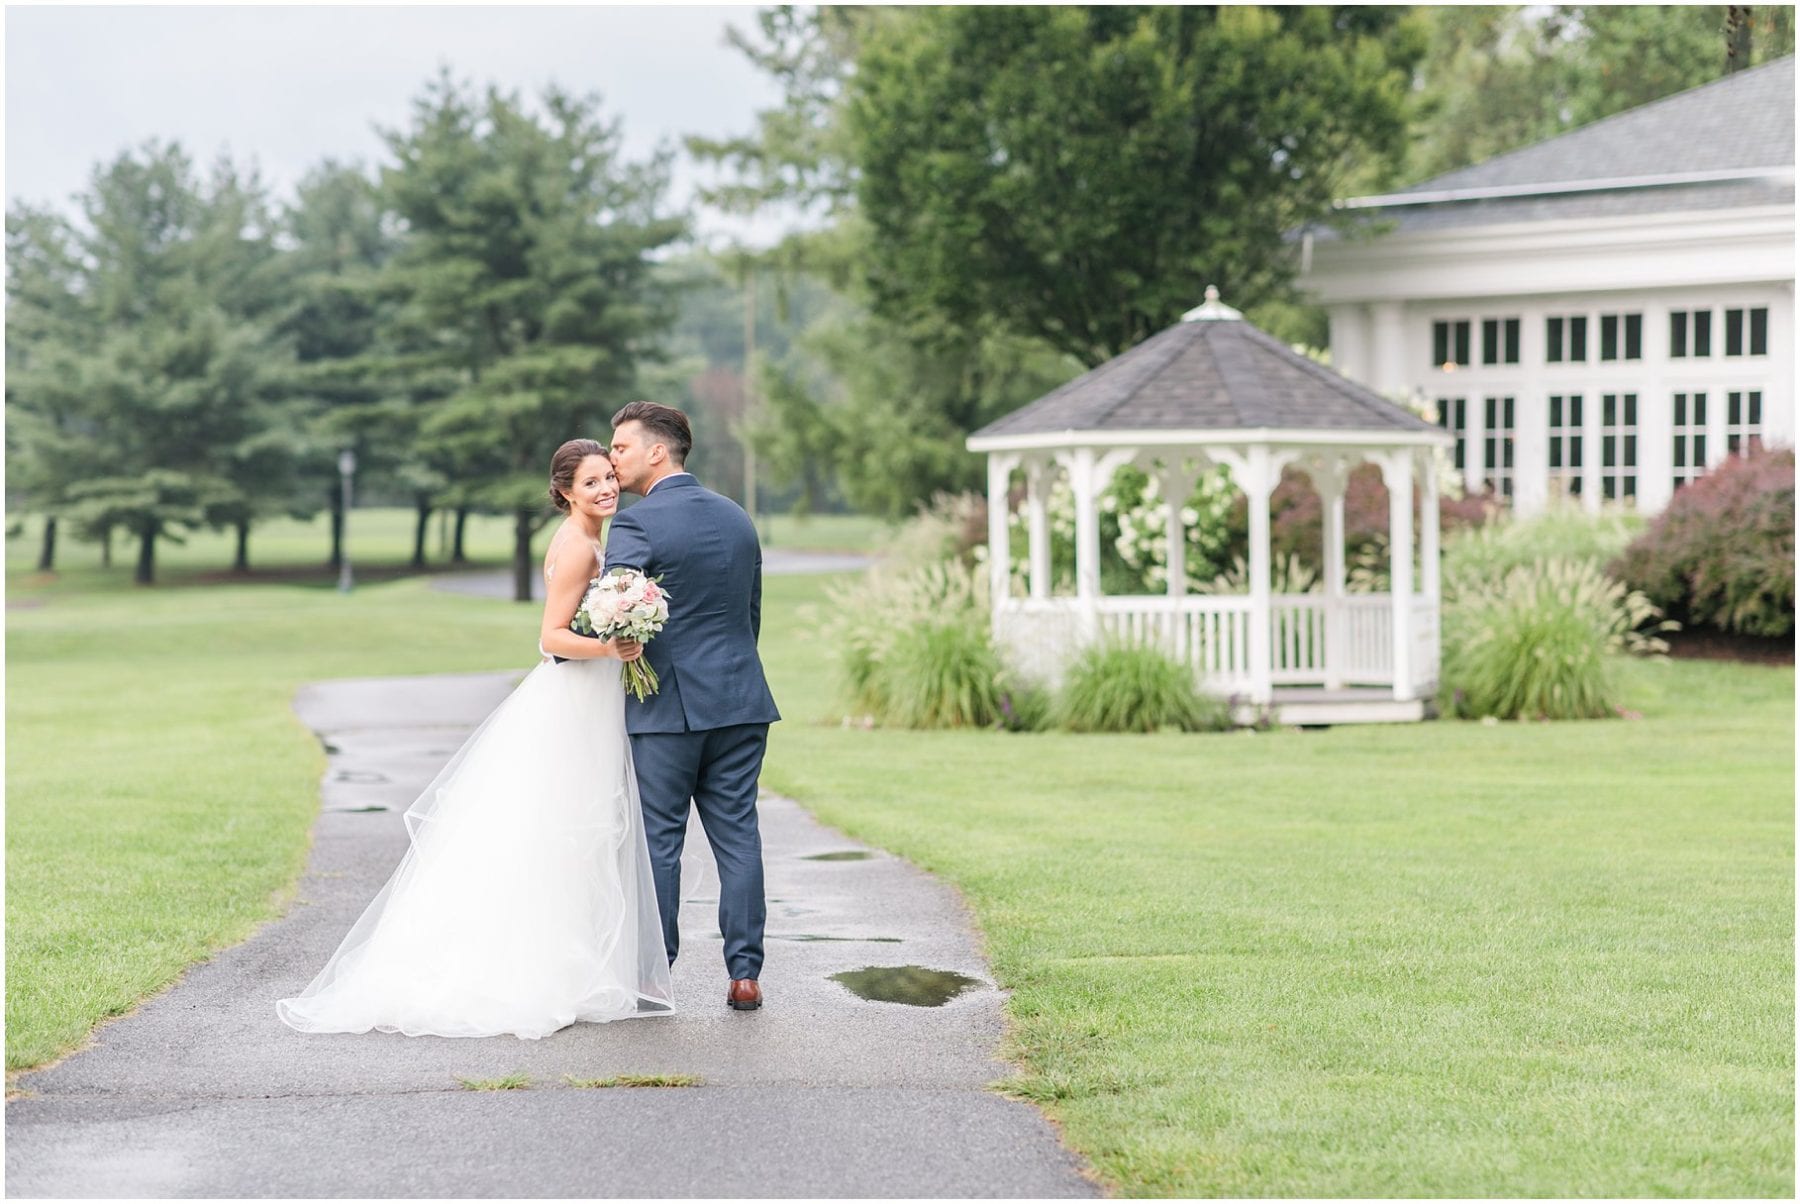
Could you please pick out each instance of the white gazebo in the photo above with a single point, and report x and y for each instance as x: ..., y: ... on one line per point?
x: 1215, y: 390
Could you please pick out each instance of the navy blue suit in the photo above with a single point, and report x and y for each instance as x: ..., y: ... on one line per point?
x: 701, y: 736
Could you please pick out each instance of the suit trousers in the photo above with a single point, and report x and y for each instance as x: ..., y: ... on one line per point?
x: 717, y: 771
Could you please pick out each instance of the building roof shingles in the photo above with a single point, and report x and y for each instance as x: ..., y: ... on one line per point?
x: 1741, y: 123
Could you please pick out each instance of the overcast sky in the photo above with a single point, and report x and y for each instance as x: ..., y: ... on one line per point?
x: 290, y: 86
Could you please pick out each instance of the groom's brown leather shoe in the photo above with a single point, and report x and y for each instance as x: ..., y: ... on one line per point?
x: 744, y: 995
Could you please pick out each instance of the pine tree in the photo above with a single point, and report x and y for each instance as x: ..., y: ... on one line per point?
x: 525, y: 281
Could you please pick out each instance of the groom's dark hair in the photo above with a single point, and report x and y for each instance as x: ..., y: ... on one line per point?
x: 666, y: 424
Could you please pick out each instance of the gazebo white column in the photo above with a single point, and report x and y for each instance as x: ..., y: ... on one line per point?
x: 1090, y: 473
x: 1081, y: 469
x: 1037, y: 525
x: 1397, y: 469
x: 1329, y: 477
x: 1000, y: 466
x: 1256, y: 472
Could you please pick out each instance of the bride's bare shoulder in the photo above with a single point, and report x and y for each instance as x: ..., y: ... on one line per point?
x: 559, y: 539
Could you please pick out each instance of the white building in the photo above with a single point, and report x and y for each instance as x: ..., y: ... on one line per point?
x: 1605, y: 314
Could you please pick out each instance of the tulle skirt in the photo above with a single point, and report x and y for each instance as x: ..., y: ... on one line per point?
x: 525, y: 901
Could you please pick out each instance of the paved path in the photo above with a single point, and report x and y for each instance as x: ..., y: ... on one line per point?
x: 776, y: 562
x: 203, y: 1092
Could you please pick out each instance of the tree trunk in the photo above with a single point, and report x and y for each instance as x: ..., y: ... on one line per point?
x: 456, y: 542
x: 241, y: 562
x: 423, y: 510
x: 106, y: 547
x: 522, y: 532
x: 47, y: 554
x: 337, y: 529
x: 146, y: 563
x: 1737, y: 37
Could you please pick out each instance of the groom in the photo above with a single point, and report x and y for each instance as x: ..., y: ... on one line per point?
x: 701, y: 736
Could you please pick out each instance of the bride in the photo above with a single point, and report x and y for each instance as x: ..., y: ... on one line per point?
x: 525, y: 902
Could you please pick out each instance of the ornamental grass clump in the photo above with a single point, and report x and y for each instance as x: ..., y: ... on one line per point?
x: 942, y: 673
x: 1537, y: 643
x: 1134, y: 688
x: 915, y: 648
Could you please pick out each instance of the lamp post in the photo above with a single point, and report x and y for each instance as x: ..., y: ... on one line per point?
x: 346, y: 470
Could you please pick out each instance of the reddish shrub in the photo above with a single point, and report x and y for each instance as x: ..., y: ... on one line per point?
x: 1722, y: 554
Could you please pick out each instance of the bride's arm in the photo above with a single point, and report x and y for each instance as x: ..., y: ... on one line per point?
x: 561, y: 598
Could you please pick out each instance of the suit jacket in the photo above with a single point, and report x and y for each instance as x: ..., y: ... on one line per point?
x: 704, y: 549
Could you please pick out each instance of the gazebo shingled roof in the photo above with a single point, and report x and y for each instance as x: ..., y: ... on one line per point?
x: 1208, y: 374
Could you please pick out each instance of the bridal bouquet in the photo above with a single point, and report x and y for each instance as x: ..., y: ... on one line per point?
x: 625, y: 604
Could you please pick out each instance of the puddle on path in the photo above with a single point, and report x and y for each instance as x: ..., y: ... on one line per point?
x: 356, y: 810
x: 919, y: 986
x: 849, y: 855
x: 361, y: 775
x: 812, y: 936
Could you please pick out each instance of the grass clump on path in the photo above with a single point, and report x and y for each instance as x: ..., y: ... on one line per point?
x: 518, y: 1081
x: 637, y: 1080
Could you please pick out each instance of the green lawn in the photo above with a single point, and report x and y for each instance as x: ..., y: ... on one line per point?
x: 1437, y: 960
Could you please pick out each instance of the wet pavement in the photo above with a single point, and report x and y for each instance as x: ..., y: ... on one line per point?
x: 865, y: 1074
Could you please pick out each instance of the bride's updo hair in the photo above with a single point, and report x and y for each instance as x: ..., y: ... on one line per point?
x: 563, y: 464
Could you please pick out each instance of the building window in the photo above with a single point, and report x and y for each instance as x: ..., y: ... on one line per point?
x: 1565, y: 445
x: 1500, y: 341
x: 1689, y: 413
x: 1497, y: 445
x: 1453, y: 416
x: 1565, y: 340
x: 1690, y: 334
x: 1743, y: 422
x: 1450, y: 344
x: 1612, y: 346
x: 1758, y: 323
x: 1618, y: 445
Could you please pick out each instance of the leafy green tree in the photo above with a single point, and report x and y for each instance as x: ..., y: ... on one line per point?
x: 801, y: 154
x: 852, y: 409
x: 525, y: 277
x: 1078, y: 175
x: 879, y: 413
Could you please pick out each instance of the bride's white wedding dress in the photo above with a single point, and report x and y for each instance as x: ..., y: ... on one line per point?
x: 525, y: 902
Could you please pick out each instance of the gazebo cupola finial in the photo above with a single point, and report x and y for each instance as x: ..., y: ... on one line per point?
x: 1214, y: 310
